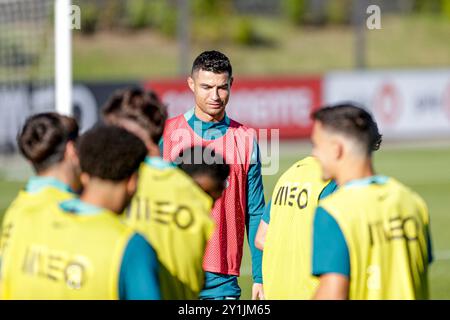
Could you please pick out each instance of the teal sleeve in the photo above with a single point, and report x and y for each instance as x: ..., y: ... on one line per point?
x: 429, y: 245
x: 330, y: 251
x: 255, y: 209
x: 161, y: 146
x: 266, y: 215
x: 139, y: 271
x: 329, y: 189
x: 220, y: 285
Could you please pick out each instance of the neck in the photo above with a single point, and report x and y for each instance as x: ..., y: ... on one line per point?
x: 354, y: 170
x: 102, y: 195
x: 206, y: 117
x: 58, y: 173
x: 153, y: 150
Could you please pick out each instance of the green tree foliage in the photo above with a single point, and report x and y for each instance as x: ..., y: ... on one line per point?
x: 338, y: 12
x: 137, y: 14
x: 295, y: 11
x: 446, y: 9
x: 89, y: 18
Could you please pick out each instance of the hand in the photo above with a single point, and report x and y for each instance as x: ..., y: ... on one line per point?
x: 258, y: 291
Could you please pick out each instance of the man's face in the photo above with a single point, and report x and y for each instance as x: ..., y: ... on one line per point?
x: 129, y: 191
x: 210, y: 185
x: 324, y: 150
x: 211, y: 91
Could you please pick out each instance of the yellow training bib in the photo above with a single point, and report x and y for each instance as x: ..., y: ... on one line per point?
x: 287, y: 249
x: 54, y: 254
x: 24, y: 203
x: 174, y: 214
x: 385, y: 226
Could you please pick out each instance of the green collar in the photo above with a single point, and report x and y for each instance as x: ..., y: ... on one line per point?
x: 37, y: 183
x: 158, y: 162
x: 79, y: 207
x: 367, y: 181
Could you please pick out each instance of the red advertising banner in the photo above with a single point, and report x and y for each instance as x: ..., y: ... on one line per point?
x: 262, y: 103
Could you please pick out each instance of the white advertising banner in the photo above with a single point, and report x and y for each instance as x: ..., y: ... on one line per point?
x: 406, y: 104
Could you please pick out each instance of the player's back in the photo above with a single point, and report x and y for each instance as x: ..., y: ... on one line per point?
x: 28, y: 201
x: 287, y: 249
x: 55, y: 254
x: 386, y: 228
x: 174, y: 214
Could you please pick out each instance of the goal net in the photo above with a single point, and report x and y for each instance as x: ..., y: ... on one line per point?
x: 27, y: 64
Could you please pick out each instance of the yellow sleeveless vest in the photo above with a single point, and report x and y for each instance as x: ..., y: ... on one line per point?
x: 23, y: 203
x: 54, y: 254
x: 385, y: 226
x: 287, y: 249
x: 26, y: 201
x: 173, y: 213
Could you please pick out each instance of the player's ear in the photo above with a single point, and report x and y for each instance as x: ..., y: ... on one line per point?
x: 132, y: 184
x: 339, y: 149
x: 71, y: 154
x: 231, y: 81
x: 70, y: 151
x: 191, y: 83
x: 84, y: 178
x: 333, y: 148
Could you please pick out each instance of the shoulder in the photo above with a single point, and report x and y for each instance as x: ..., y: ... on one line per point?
x: 398, y: 186
x: 236, y: 124
x: 138, y: 244
x: 26, y: 201
x: 403, y: 192
x: 244, y: 137
x: 153, y: 165
x: 308, y: 165
x: 54, y: 194
x: 322, y: 217
x: 335, y: 202
x: 174, y: 121
x: 408, y: 195
x: 309, y: 162
x: 15, y: 207
x: 176, y: 118
x: 329, y: 188
x: 48, y: 193
x: 330, y: 251
x: 20, y: 199
x: 326, y: 226
x: 138, y: 254
x: 239, y: 127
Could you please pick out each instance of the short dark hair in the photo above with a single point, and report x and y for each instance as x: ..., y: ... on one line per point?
x: 44, y: 137
x: 198, y: 160
x: 353, y: 121
x: 110, y: 152
x: 143, y: 107
x: 213, y: 61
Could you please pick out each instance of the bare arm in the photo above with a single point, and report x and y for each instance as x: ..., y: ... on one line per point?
x: 261, y: 235
x: 332, y: 286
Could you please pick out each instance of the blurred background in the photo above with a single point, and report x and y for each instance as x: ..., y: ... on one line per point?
x: 289, y: 57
